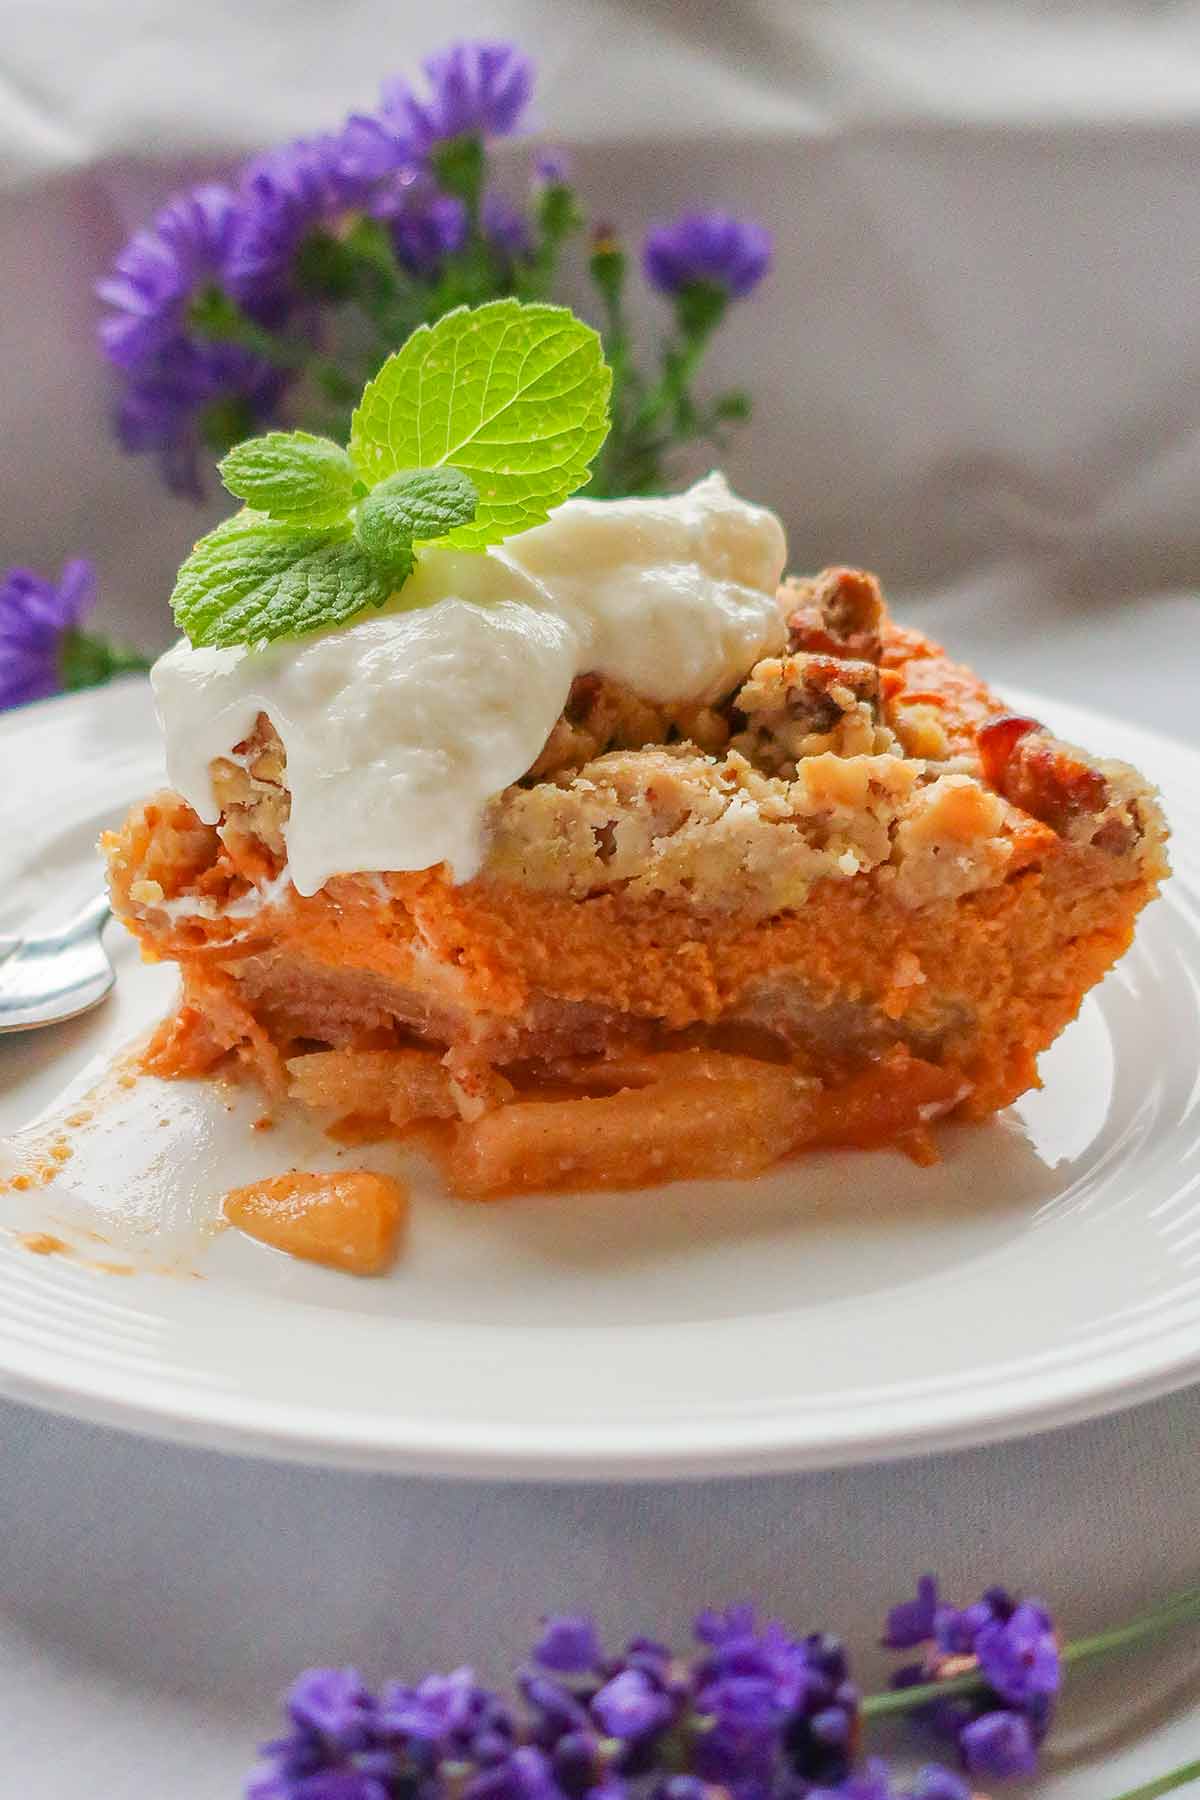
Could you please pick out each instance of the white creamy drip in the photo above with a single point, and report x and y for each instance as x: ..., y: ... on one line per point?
x: 400, y: 728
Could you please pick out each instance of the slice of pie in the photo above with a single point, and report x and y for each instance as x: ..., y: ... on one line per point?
x: 846, y: 896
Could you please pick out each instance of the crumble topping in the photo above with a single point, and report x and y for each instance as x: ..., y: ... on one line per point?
x: 861, y: 751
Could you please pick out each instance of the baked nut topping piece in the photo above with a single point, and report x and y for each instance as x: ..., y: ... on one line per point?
x: 840, y: 895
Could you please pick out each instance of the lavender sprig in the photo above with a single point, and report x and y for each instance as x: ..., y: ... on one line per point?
x: 753, y: 1713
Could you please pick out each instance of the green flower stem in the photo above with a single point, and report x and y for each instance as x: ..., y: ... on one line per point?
x: 219, y: 319
x: 670, y: 396
x: 85, y: 660
x: 1164, y: 1784
x: 1184, y: 1609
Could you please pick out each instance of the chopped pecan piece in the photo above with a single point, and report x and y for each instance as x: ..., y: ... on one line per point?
x: 1052, y: 781
x: 839, y: 612
x: 804, y: 705
x: 998, y: 739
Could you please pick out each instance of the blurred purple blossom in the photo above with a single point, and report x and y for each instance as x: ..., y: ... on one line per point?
x: 162, y: 409
x: 284, y: 195
x: 551, y: 168
x: 506, y: 228
x: 715, y: 249
x: 476, y: 89
x: 160, y: 272
x: 35, y: 616
x: 425, y: 225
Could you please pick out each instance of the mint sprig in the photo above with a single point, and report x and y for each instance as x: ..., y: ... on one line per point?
x: 475, y: 429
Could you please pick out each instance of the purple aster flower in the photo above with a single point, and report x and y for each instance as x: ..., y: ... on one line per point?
x: 568, y: 1644
x: 911, y: 1622
x: 426, y: 226
x: 1019, y: 1655
x: 632, y: 1706
x: 714, y: 250
x: 476, y: 89
x: 999, y: 1745
x: 35, y: 617
x: 506, y: 229
x: 160, y: 272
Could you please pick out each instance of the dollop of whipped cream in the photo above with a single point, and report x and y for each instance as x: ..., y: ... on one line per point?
x: 400, y: 728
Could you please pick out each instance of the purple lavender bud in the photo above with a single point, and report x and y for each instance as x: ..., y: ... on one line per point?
x: 1019, y: 1656
x: 911, y: 1622
x: 871, y: 1782
x: 551, y: 168
x: 476, y: 89
x: 35, y: 616
x: 719, y: 1628
x: 630, y: 1706
x: 999, y: 1745
x: 682, y: 1787
x: 334, y: 1703
x: 937, y: 1783
x: 525, y: 1775
x: 713, y: 249
x: 568, y: 1644
x: 556, y: 1710
x: 575, y: 1760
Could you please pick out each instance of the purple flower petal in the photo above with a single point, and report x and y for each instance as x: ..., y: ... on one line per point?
x: 475, y: 88
x: 568, y: 1644
x: 911, y: 1622
x: 1020, y: 1656
x: 34, y: 615
x: 631, y: 1706
x: 937, y: 1783
x: 1000, y: 1746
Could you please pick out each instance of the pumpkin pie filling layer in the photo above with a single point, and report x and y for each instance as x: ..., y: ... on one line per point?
x: 845, y: 897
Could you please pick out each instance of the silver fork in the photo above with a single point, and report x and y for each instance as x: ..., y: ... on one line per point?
x: 44, y: 980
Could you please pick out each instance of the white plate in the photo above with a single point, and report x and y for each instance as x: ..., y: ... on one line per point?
x: 847, y: 1307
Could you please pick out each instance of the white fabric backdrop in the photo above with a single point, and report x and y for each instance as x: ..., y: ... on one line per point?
x: 976, y: 370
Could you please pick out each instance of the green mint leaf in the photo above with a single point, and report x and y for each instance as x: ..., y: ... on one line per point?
x: 292, y: 475
x: 254, y: 578
x: 415, y: 505
x: 514, y: 396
